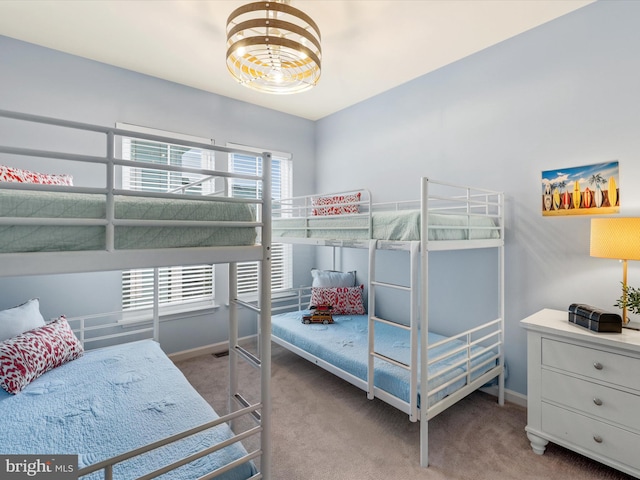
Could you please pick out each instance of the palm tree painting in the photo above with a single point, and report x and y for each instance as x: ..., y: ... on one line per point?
x: 594, y: 190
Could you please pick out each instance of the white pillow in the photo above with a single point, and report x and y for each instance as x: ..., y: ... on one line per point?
x: 332, y: 278
x: 20, y: 319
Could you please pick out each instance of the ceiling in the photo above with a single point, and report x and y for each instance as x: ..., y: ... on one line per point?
x: 368, y: 46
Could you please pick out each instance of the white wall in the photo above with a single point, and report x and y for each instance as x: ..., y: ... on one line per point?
x: 564, y: 94
x: 46, y: 82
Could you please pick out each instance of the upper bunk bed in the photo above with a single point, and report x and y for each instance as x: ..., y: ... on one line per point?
x: 455, y: 217
x: 64, y: 208
x: 72, y: 214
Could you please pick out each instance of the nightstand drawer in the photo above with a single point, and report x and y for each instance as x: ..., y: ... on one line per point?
x: 599, y: 438
x: 590, y: 362
x: 604, y: 402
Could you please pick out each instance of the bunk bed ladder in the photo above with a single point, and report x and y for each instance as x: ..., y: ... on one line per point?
x: 261, y: 360
x: 237, y: 351
x: 411, y: 327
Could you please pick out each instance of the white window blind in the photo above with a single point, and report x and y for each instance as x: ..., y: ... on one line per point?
x: 179, y: 286
x: 153, y: 180
x: 176, y: 286
x: 281, y: 254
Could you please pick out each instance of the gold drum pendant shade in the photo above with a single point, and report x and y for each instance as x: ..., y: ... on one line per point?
x: 273, y: 47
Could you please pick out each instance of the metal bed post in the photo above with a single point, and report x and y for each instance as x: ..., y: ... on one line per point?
x: 415, y: 330
x: 307, y: 213
x: 265, y: 318
x: 156, y: 304
x: 82, y: 331
x: 371, y: 313
x: 424, y: 323
x: 111, y: 209
x: 501, y: 249
x: 233, y: 336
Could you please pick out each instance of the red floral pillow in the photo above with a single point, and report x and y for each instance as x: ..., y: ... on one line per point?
x: 11, y: 174
x: 27, y: 356
x: 344, y: 300
x: 335, y: 205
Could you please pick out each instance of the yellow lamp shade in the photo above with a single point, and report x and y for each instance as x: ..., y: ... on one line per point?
x: 615, y: 238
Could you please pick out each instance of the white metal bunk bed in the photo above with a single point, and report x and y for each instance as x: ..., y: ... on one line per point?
x: 447, y: 217
x: 119, y: 239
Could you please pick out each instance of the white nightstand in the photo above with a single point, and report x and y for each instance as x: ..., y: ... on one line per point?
x: 583, y: 390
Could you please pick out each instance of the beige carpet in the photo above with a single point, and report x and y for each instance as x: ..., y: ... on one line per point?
x: 326, y: 429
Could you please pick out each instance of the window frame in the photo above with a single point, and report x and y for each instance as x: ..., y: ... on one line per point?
x: 285, y: 251
x: 143, y: 307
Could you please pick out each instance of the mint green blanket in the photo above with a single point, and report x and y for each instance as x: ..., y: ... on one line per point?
x: 36, y: 238
x: 402, y: 225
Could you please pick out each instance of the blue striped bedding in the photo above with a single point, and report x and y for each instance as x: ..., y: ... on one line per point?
x: 110, y: 401
x: 344, y: 344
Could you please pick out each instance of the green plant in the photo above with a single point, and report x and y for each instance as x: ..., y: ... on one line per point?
x: 630, y: 299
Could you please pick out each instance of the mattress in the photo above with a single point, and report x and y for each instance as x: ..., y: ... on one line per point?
x: 42, y: 238
x: 110, y: 401
x: 398, y: 225
x: 344, y: 344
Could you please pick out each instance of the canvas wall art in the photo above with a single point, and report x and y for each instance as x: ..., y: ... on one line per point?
x: 584, y: 190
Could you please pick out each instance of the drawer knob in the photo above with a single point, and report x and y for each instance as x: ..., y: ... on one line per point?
x: 597, y: 365
x: 597, y: 438
x: 597, y: 401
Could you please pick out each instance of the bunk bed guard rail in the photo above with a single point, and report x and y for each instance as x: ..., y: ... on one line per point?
x: 72, y: 211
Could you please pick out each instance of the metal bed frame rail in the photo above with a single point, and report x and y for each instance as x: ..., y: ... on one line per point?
x: 304, y: 210
x: 297, y: 218
x: 63, y: 262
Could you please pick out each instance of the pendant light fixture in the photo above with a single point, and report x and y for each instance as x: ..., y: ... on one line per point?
x: 273, y: 47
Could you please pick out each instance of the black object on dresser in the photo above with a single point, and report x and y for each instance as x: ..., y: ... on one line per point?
x: 594, y: 318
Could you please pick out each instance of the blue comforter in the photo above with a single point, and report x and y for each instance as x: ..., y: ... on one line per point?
x: 110, y: 401
x: 344, y: 344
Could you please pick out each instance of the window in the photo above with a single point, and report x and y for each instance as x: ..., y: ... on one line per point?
x: 153, y: 180
x: 281, y: 254
x: 178, y: 286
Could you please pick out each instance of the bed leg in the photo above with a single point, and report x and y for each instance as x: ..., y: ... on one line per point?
x: 501, y: 389
x: 424, y: 443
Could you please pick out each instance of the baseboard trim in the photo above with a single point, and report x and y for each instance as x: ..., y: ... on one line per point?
x: 509, y: 395
x: 211, y: 349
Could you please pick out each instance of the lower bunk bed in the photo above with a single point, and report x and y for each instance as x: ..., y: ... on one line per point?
x: 126, y: 411
x: 343, y: 348
x: 457, y: 365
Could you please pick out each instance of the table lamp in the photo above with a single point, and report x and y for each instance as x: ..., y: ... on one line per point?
x: 616, y: 238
